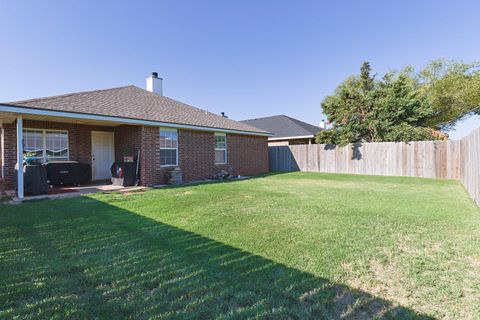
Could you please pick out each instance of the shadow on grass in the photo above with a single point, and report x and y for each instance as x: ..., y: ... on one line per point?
x: 83, y: 258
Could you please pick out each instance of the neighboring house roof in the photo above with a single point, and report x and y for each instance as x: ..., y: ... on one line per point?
x: 283, y: 126
x: 134, y: 103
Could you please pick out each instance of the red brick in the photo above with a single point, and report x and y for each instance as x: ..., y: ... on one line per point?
x: 246, y: 155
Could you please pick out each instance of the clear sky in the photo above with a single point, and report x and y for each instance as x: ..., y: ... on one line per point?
x: 247, y: 58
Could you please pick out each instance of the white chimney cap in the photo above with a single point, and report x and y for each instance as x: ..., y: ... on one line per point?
x: 154, y: 84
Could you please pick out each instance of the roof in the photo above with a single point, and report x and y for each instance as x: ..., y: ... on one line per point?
x: 134, y: 103
x: 283, y: 126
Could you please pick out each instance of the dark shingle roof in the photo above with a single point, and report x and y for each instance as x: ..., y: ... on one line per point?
x: 283, y: 126
x: 134, y: 103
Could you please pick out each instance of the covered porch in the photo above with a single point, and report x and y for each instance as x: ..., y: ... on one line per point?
x: 49, y: 138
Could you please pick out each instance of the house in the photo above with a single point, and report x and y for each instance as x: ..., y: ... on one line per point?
x: 100, y: 127
x: 285, y: 130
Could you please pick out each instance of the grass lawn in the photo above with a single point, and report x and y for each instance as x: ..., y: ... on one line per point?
x: 295, y: 245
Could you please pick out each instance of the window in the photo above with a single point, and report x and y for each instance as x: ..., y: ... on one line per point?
x: 47, y: 145
x: 33, y: 143
x: 220, y: 148
x: 168, y: 147
x: 56, y: 145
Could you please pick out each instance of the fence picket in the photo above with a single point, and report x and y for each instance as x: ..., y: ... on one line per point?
x: 430, y: 159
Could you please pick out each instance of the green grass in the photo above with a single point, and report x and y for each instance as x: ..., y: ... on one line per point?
x: 296, y: 245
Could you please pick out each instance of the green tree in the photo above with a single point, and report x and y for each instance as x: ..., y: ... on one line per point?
x: 452, y: 89
x: 367, y: 79
x: 366, y: 109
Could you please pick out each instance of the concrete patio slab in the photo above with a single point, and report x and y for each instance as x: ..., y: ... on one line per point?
x: 68, y: 191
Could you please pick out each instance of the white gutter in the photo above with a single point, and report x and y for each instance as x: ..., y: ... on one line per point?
x: 289, y: 138
x: 86, y: 116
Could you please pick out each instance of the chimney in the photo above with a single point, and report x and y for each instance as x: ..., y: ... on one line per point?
x: 323, y: 125
x: 223, y: 114
x: 154, y: 84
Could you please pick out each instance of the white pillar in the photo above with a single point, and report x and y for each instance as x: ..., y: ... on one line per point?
x: 20, y: 157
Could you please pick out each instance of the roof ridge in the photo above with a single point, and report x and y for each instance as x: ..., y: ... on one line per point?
x: 302, y: 122
x: 135, y: 103
x: 277, y: 115
x: 68, y: 94
x: 282, y: 115
x: 284, y: 126
x: 174, y: 100
x: 192, y: 106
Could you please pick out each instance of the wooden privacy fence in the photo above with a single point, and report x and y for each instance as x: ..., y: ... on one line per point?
x: 429, y: 159
x: 470, y: 164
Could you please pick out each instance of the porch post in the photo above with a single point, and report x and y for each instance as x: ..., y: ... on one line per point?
x: 20, y: 193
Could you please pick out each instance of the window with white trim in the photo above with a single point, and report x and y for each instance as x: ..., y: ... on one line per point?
x: 220, y: 148
x: 46, y: 145
x: 168, y: 147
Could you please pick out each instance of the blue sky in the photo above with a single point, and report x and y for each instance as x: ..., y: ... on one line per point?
x: 247, y: 58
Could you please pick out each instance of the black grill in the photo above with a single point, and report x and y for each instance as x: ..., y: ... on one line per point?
x: 68, y: 173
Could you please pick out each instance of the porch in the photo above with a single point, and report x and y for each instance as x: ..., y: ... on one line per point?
x: 95, y: 143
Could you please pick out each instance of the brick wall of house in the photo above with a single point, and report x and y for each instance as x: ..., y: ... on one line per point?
x: 246, y: 155
x: 150, y: 171
x: 127, y: 137
x: 79, y: 137
x: 1, y: 148
x: 2, y: 173
x: 10, y: 154
x: 196, y: 154
x: 79, y: 143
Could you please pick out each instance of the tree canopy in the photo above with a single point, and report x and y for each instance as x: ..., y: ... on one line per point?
x: 402, y: 105
x: 453, y: 91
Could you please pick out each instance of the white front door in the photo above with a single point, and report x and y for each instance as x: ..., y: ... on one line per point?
x: 103, y: 154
